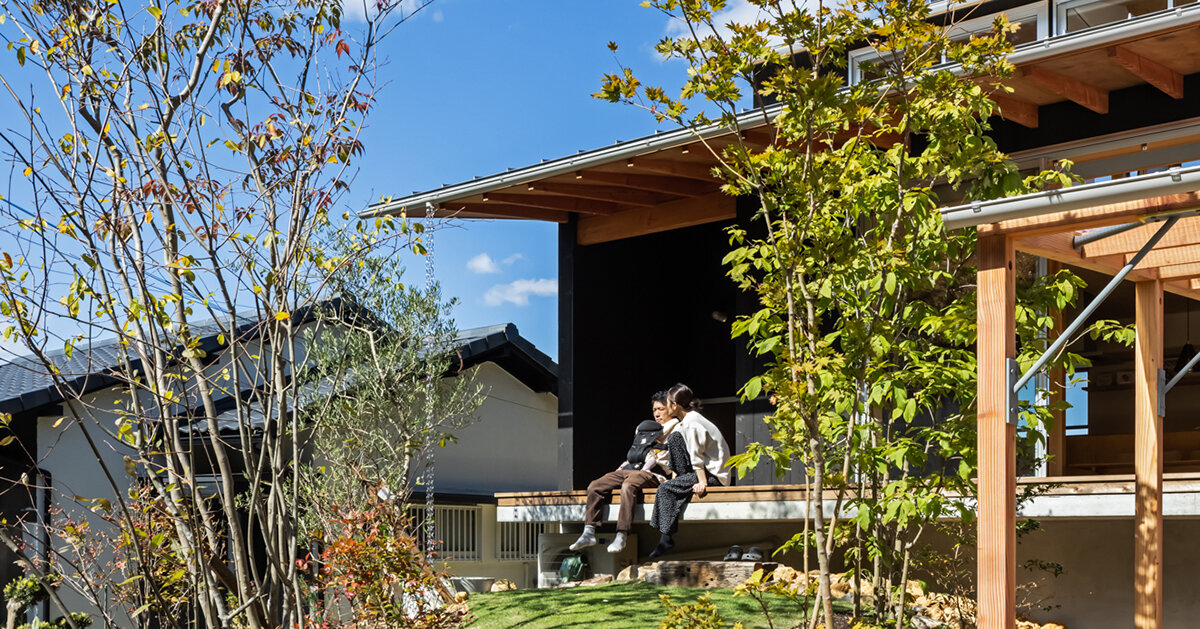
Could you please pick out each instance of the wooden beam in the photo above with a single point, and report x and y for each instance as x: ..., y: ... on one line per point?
x: 602, y: 193
x: 500, y: 210
x: 1169, y: 256
x: 1056, y: 436
x: 546, y: 202
x: 1074, y: 90
x: 672, y: 215
x: 1148, y: 70
x: 1097, y: 216
x: 1057, y: 247
x: 996, y: 342
x: 1018, y: 111
x: 689, y: 170
x: 1177, y: 271
x: 666, y: 184
x: 1185, y: 232
x: 1148, y: 461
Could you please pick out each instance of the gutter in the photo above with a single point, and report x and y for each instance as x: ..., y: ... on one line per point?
x: 1170, y: 181
x: 566, y: 165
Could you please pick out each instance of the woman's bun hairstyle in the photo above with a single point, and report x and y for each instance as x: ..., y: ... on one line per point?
x: 682, y: 395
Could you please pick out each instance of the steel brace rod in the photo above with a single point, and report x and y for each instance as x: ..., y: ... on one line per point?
x: 1182, y: 372
x: 1100, y: 233
x: 1083, y: 316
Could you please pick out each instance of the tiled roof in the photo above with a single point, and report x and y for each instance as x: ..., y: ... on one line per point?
x: 25, y: 384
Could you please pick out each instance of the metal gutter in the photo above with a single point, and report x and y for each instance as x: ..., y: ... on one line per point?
x: 1170, y: 181
x: 1171, y: 19
x: 564, y: 165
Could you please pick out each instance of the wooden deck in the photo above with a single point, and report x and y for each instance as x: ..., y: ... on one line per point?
x: 1099, y: 496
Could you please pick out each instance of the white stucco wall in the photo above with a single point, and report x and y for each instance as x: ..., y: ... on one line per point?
x: 513, y: 446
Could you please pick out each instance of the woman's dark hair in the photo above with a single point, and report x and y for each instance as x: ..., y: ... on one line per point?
x: 682, y: 395
x: 660, y: 397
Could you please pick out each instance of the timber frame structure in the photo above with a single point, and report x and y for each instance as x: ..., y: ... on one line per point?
x: 1153, y: 240
x: 1113, y: 86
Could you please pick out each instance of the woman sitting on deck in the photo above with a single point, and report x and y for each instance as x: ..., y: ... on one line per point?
x: 631, y: 480
x: 698, y: 454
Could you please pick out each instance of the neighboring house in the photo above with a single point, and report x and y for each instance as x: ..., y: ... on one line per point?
x: 518, y: 413
x: 1112, y: 86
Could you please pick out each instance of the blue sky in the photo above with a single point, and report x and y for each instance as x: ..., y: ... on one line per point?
x: 478, y: 86
x: 471, y: 88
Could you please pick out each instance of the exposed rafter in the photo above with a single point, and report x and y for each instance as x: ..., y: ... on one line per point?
x: 688, y: 170
x: 602, y: 193
x: 1179, y: 271
x: 1170, y: 256
x: 1018, y: 111
x: 1074, y: 90
x: 500, y: 210
x: 678, y: 186
x: 1185, y: 232
x: 1148, y: 70
x: 547, y: 202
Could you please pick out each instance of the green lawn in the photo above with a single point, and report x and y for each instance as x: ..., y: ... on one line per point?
x: 618, y: 605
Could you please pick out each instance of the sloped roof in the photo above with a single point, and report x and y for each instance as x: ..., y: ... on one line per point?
x: 25, y: 385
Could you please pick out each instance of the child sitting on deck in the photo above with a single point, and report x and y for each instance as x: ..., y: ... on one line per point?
x: 631, y: 477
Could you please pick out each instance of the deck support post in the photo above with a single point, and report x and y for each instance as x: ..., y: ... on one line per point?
x: 1148, y: 457
x: 997, y: 547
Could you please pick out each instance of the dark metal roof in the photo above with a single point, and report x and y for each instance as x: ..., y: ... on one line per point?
x: 25, y: 385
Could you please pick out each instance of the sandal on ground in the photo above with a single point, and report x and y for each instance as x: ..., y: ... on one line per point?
x: 734, y: 554
x: 754, y: 553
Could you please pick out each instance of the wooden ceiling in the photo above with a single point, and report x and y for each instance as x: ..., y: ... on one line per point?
x: 1086, y: 77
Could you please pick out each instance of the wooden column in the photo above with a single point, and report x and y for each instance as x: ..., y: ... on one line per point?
x: 1148, y: 462
x: 997, y: 551
x: 1056, y: 436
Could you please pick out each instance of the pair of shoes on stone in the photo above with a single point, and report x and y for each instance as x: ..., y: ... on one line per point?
x: 754, y: 553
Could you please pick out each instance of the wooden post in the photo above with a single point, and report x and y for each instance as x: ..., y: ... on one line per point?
x: 997, y: 551
x: 1148, y: 458
x: 1056, y: 437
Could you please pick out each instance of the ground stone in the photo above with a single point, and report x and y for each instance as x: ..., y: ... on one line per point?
x: 709, y: 574
x: 597, y: 580
x: 503, y: 585
x: 643, y: 572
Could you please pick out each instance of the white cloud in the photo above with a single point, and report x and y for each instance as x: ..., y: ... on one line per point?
x: 513, y: 258
x: 483, y: 263
x: 518, y: 292
x: 739, y: 11
x: 357, y: 10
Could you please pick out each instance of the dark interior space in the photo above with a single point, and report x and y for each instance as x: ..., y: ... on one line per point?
x: 1130, y: 108
x: 643, y: 319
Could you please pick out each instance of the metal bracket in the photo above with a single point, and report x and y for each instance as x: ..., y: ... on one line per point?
x: 1162, y: 392
x: 1013, y: 372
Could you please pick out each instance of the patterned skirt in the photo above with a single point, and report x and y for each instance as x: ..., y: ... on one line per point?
x: 673, y: 495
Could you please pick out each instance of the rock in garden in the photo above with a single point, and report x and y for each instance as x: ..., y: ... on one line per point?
x: 638, y: 573
x: 597, y: 580
x: 503, y: 585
